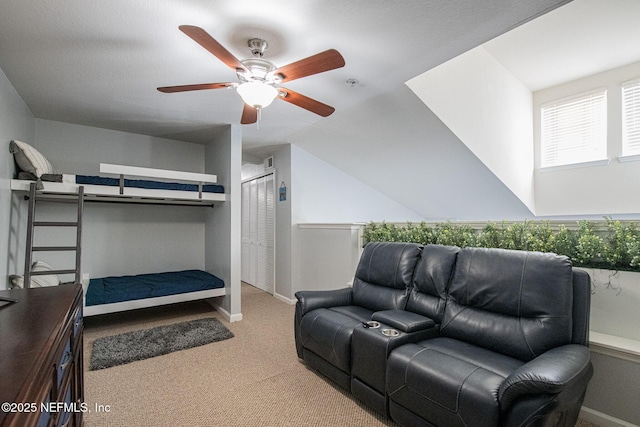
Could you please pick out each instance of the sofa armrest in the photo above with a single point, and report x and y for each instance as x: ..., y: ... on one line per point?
x: 310, y: 300
x: 550, y: 373
x: 405, y: 321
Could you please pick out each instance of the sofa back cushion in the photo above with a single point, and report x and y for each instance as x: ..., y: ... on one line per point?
x: 514, y: 302
x: 384, y: 275
x: 431, y: 280
x: 581, y: 307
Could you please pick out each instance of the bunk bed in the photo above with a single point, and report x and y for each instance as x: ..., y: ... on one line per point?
x: 120, y: 293
x: 165, y: 187
x: 38, y: 180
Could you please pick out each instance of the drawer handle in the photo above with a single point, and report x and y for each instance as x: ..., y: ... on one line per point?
x: 66, y: 360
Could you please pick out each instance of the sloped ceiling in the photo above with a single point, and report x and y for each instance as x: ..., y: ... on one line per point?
x: 580, y: 39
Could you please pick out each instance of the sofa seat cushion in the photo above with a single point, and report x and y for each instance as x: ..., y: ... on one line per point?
x: 327, y: 333
x: 448, y: 382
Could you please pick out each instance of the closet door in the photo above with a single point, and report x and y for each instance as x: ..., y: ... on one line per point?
x: 258, y: 232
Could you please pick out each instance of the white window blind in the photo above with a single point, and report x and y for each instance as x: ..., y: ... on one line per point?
x: 631, y: 118
x: 574, y: 130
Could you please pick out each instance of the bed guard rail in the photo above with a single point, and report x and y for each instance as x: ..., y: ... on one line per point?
x: 199, y: 178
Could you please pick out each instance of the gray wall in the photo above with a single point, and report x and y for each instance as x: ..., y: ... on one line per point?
x: 16, y: 122
x: 222, y: 226
x: 615, y: 387
x: 284, y: 226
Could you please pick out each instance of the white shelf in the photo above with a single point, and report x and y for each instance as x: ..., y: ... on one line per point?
x: 612, y: 345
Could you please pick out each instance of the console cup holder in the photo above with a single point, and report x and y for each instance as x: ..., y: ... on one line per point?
x: 372, y: 324
x: 390, y: 332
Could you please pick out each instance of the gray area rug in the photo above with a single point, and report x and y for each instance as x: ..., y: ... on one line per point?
x: 139, y: 345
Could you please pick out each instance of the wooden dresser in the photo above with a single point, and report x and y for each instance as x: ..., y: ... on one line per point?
x: 41, y: 376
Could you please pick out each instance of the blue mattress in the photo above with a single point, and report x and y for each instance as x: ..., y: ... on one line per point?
x: 142, y: 183
x: 109, y: 290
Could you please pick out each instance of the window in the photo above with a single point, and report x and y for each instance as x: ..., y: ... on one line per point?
x: 574, y: 130
x: 631, y: 118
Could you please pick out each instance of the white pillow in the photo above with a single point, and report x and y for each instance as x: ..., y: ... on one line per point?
x: 37, y: 281
x: 29, y: 159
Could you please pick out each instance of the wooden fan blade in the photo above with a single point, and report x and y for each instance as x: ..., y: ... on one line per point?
x: 249, y: 115
x: 307, y: 103
x: 186, y: 88
x: 318, y: 63
x: 203, y: 38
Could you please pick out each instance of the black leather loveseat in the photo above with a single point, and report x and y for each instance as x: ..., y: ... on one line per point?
x: 443, y: 336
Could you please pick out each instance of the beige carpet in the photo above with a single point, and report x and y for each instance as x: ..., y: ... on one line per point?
x: 253, y: 379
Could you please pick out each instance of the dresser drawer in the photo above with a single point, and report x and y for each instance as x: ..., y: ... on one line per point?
x: 45, y: 416
x: 46, y: 324
x: 64, y: 420
x: 63, y: 360
x: 77, y: 321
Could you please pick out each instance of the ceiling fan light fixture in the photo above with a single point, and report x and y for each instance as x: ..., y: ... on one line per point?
x: 257, y: 94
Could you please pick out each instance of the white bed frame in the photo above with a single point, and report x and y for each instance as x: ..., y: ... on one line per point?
x: 103, y: 193
x: 93, y: 310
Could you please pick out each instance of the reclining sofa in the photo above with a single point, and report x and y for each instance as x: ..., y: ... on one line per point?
x: 442, y: 336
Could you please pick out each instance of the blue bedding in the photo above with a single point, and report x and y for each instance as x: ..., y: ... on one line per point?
x: 142, y: 183
x: 109, y: 290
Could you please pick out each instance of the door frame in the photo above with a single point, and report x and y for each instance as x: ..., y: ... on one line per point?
x: 247, y: 180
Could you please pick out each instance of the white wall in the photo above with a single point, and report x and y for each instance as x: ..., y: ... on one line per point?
x: 599, y: 190
x: 323, y: 193
x: 614, y: 303
x: 16, y: 122
x: 396, y: 145
x: 319, y: 192
x: 330, y: 255
x: 80, y: 149
x: 490, y: 110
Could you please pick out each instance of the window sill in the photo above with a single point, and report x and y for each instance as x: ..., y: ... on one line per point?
x: 627, y: 159
x: 593, y: 163
x: 622, y: 348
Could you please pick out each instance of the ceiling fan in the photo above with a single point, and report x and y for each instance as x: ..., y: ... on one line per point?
x: 259, y: 78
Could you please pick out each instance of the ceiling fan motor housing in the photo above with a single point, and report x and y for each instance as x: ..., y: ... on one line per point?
x: 259, y: 69
x: 258, y: 46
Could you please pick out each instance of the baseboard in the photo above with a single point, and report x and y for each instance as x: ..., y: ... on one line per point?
x: 602, y: 420
x: 225, y: 314
x: 284, y: 299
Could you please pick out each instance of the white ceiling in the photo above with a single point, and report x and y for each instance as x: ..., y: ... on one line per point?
x: 579, y: 39
x: 98, y: 63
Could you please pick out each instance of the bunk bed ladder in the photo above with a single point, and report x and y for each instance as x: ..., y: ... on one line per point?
x: 31, y: 226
